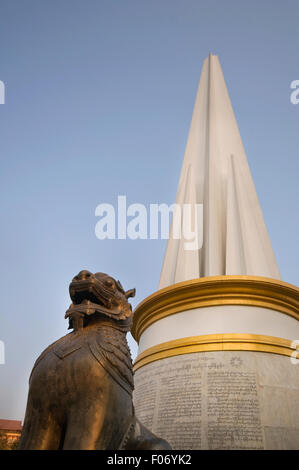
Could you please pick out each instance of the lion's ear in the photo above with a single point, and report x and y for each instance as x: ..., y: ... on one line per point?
x: 130, y: 293
x: 120, y: 287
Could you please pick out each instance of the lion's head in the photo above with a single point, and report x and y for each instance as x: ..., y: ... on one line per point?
x: 98, y: 293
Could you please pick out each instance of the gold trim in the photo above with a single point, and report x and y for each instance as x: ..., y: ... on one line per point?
x: 216, y: 342
x: 216, y: 290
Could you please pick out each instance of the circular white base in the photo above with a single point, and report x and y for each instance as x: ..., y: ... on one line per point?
x: 218, y: 320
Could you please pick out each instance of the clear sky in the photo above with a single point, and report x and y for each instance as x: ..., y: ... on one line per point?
x: 99, y: 98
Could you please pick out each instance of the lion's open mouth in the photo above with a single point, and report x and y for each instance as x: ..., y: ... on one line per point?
x: 87, y: 290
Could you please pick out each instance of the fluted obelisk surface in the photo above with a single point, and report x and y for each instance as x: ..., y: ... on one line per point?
x: 217, y: 362
x: 215, y: 169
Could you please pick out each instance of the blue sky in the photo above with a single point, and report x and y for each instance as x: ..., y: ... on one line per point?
x: 99, y: 98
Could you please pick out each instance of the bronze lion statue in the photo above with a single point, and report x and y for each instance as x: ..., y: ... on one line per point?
x: 80, y: 388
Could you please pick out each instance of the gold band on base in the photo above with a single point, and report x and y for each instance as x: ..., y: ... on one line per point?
x: 216, y: 342
x: 216, y: 290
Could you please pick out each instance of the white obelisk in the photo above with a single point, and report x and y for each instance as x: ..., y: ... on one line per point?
x: 217, y: 342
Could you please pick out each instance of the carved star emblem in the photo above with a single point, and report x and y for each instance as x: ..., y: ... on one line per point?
x: 236, y: 361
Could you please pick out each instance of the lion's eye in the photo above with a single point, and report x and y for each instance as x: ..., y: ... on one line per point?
x: 109, y: 283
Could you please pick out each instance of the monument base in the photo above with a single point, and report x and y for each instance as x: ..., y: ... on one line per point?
x: 221, y: 400
x: 216, y: 366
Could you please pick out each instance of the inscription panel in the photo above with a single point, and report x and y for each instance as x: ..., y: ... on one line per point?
x: 176, y: 389
x: 233, y: 411
x: 202, y: 400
